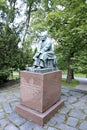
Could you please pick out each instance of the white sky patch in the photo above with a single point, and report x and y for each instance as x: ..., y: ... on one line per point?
x: 20, y: 18
x: 60, y: 7
x: 21, y: 6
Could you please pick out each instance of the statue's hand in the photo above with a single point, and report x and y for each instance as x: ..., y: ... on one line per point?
x: 38, y: 54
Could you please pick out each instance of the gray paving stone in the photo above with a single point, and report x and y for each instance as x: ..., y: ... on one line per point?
x: 65, y: 127
x: 2, y: 99
x: 17, y: 94
x: 59, y: 118
x: 16, y: 119
x: 3, y: 122
x: 51, y: 128
x: 39, y: 128
x: 64, y: 110
x: 72, y: 121
x: 1, y: 128
x: 7, y: 108
x: 10, y: 127
x: 45, y: 126
x: 64, y: 97
x: 85, y: 111
x: 77, y: 113
x: 52, y: 122
x: 83, y: 125
x: 27, y: 126
x: 65, y: 90
x: 84, y: 97
x: 72, y: 99
x: 14, y: 104
x: 1, y: 110
x: 2, y: 115
x: 79, y: 105
x: 11, y: 98
x: 68, y: 105
x: 76, y: 94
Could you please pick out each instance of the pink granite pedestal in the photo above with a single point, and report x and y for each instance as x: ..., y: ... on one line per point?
x: 40, y: 95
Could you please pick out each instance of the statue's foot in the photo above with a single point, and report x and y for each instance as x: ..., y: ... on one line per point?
x: 35, y: 66
x: 38, y: 67
x: 41, y: 67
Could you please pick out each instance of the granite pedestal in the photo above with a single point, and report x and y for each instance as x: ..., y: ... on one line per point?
x: 40, y: 95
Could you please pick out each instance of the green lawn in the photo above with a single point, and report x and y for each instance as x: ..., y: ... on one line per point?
x: 72, y: 85
x: 75, y: 74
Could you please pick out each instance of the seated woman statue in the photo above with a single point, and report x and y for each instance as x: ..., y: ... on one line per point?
x: 45, y: 57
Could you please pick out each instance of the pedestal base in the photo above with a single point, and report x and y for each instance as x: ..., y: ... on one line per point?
x: 38, y: 117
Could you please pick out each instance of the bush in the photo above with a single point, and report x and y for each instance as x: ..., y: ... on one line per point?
x: 4, y: 74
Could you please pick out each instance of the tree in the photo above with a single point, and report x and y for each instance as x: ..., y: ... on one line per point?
x: 37, y: 23
x: 25, y: 56
x: 79, y: 62
x: 8, y: 49
x: 31, y: 6
x: 11, y: 57
x: 69, y: 28
x: 8, y: 39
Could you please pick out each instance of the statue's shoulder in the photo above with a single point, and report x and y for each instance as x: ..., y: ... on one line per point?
x: 48, y: 40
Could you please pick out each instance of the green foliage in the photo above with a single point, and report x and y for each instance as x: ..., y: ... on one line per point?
x: 4, y: 74
x: 2, y: 4
x: 62, y: 62
x: 8, y: 51
x: 8, y: 46
x: 11, y: 57
x: 69, y: 28
x: 25, y: 58
x: 79, y: 62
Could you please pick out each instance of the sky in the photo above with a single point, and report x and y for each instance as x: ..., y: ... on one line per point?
x: 20, y: 5
x: 20, y: 18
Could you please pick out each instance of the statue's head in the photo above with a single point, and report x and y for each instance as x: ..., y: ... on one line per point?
x: 43, y: 36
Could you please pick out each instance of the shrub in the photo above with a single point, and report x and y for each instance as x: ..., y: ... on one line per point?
x: 4, y: 74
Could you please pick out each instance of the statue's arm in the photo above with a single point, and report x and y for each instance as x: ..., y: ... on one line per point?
x: 46, y: 48
x: 39, y: 47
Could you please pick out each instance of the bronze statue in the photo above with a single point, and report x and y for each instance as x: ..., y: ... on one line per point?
x: 45, y: 57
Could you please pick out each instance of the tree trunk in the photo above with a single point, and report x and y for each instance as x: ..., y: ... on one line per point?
x: 27, y: 22
x: 70, y: 73
x: 70, y: 76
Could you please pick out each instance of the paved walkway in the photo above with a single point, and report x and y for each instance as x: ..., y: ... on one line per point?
x: 83, y: 84
x: 73, y: 116
x: 82, y: 81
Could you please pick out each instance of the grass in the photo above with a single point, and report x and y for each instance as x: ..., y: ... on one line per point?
x: 76, y: 74
x: 72, y: 85
x: 80, y: 75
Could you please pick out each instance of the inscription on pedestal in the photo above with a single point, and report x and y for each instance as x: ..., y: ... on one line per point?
x: 34, y: 88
